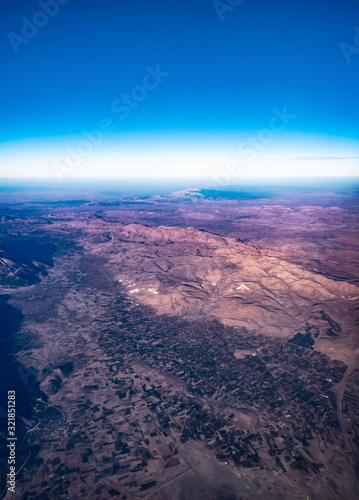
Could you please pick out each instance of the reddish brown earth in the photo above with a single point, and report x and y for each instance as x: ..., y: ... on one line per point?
x: 187, y: 347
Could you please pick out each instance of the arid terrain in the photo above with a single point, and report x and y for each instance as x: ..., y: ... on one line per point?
x: 185, y: 346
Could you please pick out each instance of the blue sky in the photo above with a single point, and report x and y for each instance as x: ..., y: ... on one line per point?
x: 228, y: 68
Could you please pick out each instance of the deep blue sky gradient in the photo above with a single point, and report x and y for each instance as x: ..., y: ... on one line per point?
x: 224, y: 76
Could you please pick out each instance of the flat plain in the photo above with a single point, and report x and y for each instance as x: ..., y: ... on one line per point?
x: 185, y: 346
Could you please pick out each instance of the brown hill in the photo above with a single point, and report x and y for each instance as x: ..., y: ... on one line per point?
x: 189, y: 271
